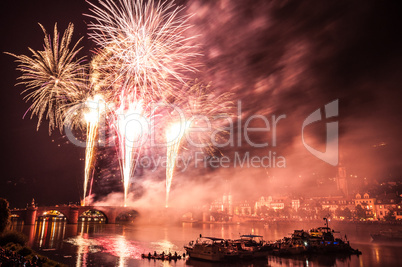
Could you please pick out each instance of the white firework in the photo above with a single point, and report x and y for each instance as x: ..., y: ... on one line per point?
x: 146, y: 44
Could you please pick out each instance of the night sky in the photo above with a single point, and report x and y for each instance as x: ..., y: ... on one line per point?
x: 277, y: 57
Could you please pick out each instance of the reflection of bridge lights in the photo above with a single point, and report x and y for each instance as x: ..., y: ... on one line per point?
x: 43, y: 223
x: 53, y: 229
x: 48, y: 230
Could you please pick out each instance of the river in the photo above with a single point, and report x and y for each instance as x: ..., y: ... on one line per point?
x: 98, y: 244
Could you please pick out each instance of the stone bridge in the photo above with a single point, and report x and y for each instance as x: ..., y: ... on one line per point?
x: 72, y: 213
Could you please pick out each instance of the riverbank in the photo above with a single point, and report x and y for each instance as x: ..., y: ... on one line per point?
x: 13, y: 252
x: 17, y: 255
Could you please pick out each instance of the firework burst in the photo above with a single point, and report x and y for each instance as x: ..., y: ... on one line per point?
x: 206, y: 110
x: 53, y: 77
x: 200, y: 108
x: 145, y: 44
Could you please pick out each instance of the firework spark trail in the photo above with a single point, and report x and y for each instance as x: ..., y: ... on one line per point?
x: 130, y: 136
x: 89, y: 152
x: 92, y: 122
x: 174, y: 135
x: 146, y: 43
x: 53, y: 77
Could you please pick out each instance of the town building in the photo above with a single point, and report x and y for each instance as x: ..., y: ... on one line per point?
x: 386, y: 203
x: 367, y: 203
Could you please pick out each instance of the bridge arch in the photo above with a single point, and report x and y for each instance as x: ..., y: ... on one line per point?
x: 93, y: 215
x: 15, y: 217
x: 127, y: 216
x: 70, y: 212
x: 52, y: 213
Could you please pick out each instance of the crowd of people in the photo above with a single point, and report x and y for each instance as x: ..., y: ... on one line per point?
x: 11, y: 258
x: 163, y: 256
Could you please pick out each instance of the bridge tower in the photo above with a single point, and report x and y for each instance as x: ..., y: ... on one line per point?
x: 30, y: 215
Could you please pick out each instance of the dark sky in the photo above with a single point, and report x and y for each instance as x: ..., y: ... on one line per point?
x: 50, y: 171
x: 278, y: 57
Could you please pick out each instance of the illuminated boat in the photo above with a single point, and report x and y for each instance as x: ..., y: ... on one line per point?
x: 319, y: 240
x: 251, y: 247
x: 211, y: 249
x: 289, y: 246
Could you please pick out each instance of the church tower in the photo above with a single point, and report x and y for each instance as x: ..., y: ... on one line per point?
x: 227, y: 198
x: 341, y: 181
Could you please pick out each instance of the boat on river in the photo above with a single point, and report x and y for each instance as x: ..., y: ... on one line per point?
x: 219, y: 249
x: 289, y: 246
x: 251, y: 247
x: 388, y: 235
x: 319, y: 240
x: 161, y: 256
x: 211, y: 249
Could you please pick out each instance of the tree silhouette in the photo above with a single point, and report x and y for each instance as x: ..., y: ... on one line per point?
x: 4, y: 214
x: 360, y: 212
x: 390, y: 216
